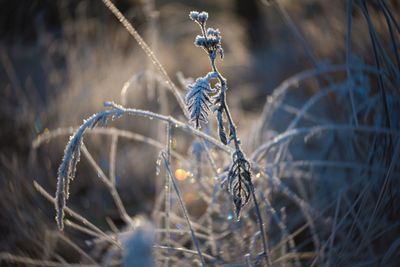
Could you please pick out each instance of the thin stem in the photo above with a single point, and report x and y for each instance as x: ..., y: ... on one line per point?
x: 334, y: 228
x: 168, y: 193
x: 392, y: 36
x: 111, y: 131
x: 110, y: 185
x: 168, y: 119
x: 113, y: 157
x: 132, y: 31
x: 75, y: 247
x: 73, y: 214
x: 393, y: 19
x: 260, y: 224
x: 185, y: 250
x: 373, y: 38
x: 348, y: 59
x: 185, y: 212
x: 222, y: 97
x: 288, y: 135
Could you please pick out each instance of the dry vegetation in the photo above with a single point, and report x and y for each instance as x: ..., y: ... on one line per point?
x: 150, y: 188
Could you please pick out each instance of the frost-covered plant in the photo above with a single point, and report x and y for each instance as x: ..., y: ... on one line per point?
x: 201, y: 98
x: 199, y: 102
x: 67, y: 169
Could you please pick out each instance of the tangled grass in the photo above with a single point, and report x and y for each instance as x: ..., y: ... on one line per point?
x: 325, y: 186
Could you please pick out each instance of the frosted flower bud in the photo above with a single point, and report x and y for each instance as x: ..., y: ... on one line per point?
x: 194, y: 15
x: 200, y: 41
x: 214, y: 41
x: 203, y: 16
x: 213, y: 32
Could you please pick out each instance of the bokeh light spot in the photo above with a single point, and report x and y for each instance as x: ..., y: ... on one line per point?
x: 181, y: 174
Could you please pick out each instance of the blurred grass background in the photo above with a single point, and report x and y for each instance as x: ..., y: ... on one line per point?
x: 60, y: 60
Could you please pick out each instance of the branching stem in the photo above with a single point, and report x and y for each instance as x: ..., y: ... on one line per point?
x: 223, y: 106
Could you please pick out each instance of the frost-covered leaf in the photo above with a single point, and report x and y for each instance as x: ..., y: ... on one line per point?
x: 239, y: 180
x: 198, y: 100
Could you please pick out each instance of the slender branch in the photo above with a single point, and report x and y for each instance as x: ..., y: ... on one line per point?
x: 111, y: 187
x: 261, y: 225
x: 75, y: 215
x: 179, y: 194
x: 111, y: 131
x: 168, y: 192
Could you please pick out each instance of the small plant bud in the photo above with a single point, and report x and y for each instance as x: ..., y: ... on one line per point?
x: 203, y: 16
x: 194, y: 15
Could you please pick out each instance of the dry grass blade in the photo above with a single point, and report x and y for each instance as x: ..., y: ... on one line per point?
x: 128, y: 26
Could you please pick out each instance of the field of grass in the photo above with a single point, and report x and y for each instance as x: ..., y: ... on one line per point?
x: 123, y: 143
